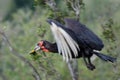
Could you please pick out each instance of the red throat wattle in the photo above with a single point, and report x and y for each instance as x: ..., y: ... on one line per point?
x: 43, y: 47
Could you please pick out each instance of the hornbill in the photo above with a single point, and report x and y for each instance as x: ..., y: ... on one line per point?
x: 74, y: 40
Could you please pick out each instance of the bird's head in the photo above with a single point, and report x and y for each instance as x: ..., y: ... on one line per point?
x: 45, y: 46
x: 42, y: 45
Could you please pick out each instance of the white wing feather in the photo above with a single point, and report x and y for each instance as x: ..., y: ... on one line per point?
x: 64, y: 42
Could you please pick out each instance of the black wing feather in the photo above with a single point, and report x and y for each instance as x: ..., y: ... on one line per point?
x: 85, y: 36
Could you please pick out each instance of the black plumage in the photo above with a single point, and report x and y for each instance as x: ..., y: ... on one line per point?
x: 75, y: 36
x: 84, y: 35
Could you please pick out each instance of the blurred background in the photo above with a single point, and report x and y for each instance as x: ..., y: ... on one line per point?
x: 24, y: 24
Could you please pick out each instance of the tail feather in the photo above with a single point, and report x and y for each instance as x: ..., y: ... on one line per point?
x: 105, y: 57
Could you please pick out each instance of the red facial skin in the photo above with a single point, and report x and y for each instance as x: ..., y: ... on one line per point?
x: 42, y: 46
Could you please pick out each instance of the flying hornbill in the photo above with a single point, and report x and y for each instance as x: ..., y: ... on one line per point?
x: 74, y: 40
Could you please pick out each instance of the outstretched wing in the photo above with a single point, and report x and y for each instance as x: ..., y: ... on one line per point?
x: 65, y: 39
x: 85, y: 36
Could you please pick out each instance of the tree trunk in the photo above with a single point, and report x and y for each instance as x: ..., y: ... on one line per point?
x: 73, y: 68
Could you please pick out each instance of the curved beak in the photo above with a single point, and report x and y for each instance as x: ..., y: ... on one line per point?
x: 35, y: 50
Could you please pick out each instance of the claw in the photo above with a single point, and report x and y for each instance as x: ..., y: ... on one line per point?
x: 90, y: 66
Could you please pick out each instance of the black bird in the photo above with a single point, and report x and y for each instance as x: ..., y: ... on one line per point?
x: 74, y: 40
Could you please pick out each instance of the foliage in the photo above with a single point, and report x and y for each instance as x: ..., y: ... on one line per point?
x: 27, y: 27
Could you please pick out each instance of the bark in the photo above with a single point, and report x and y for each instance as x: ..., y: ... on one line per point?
x: 15, y: 53
x: 73, y: 68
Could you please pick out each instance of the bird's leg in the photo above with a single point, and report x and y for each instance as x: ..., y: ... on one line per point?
x: 92, y: 66
x: 86, y: 62
x: 89, y: 64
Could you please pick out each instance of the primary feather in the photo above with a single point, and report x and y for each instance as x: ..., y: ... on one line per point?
x: 64, y: 41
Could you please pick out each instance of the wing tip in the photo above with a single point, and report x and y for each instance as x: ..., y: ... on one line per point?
x: 49, y: 21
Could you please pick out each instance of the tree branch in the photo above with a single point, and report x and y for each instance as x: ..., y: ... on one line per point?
x: 72, y: 65
x: 51, y: 4
x: 73, y: 68
x: 76, y: 5
x: 15, y: 53
x: 3, y: 76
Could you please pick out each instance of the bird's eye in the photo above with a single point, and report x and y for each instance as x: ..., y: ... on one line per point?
x: 41, y: 43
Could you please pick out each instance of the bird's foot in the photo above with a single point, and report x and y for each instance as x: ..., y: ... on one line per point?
x: 90, y: 66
